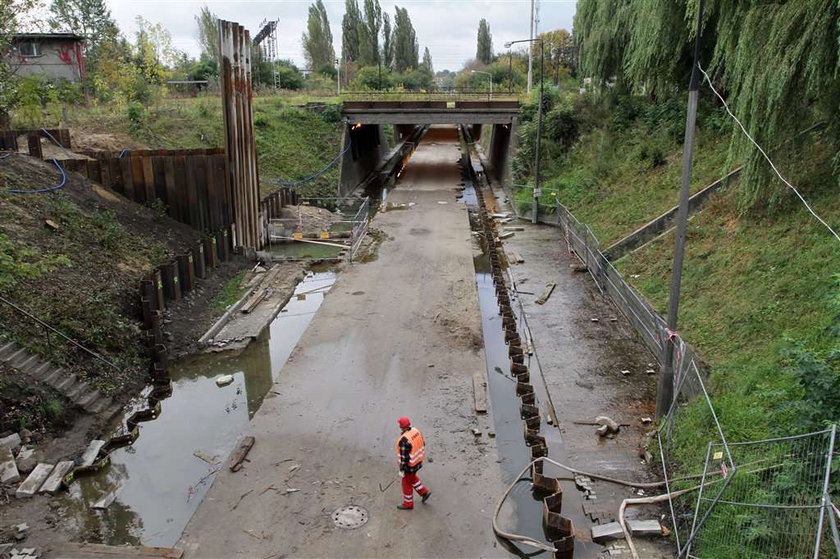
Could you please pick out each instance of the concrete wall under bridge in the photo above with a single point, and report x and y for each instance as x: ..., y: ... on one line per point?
x: 367, y: 151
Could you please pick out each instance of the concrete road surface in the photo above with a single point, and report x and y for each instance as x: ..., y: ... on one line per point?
x: 396, y: 336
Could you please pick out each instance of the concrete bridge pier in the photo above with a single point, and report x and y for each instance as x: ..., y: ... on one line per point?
x: 367, y: 150
x: 500, y: 148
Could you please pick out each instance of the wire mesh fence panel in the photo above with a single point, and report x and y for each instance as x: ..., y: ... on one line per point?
x: 774, y: 506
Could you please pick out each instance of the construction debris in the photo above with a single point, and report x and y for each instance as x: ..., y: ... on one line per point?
x: 34, y: 481
x: 608, y: 426
x: 506, y: 235
x: 90, y: 454
x: 549, y: 289
x: 224, y: 380
x: 105, y: 501
x: 8, y: 467
x: 56, y: 478
x: 242, y: 450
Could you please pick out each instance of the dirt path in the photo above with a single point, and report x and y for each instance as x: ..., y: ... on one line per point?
x: 400, y: 335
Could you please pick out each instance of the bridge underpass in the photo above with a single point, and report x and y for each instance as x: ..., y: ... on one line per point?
x: 364, y: 135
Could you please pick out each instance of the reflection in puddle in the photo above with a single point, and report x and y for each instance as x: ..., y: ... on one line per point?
x: 161, y: 479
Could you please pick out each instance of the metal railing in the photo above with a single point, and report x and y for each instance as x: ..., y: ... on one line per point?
x: 430, y: 96
x: 48, y: 332
x: 316, y: 228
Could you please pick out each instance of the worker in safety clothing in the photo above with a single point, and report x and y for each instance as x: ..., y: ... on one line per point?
x: 411, y: 450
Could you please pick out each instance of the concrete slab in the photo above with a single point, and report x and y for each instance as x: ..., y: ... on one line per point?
x: 8, y: 467
x: 644, y: 527
x: 53, y: 482
x: 34, y: 481
x: 10, y: 442
x: 91, y: 452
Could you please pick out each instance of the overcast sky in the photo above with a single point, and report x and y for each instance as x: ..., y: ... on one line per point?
x: 447, y: 27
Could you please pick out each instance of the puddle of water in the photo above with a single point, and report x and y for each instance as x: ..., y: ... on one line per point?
x: 301, y: 251
x: 160, y: 479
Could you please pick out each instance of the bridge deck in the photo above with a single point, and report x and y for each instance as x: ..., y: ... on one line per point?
x: 431, y: 112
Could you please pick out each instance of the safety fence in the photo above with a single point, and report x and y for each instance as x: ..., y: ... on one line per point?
x: 766, y: 498
x: 315, y: 228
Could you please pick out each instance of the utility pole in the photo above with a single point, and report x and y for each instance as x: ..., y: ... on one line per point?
x: 338, y: 76
x: 510, y: 72
x: 530, y: 51
x: 665, y: 388
x: 537, y: 190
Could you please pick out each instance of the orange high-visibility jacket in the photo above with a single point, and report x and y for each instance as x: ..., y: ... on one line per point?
x: 418, y: 448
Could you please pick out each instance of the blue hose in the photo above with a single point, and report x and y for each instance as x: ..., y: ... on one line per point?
x: 59, y: 186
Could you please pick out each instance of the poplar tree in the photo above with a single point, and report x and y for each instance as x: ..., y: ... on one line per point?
x: 350, y: 31
x: 427, y: 62
x: 406, y: 48
x: 484, y: 50
x: 387, y: 42
x: 369, y: 34
x: 317, y: 39
x: 208, y: 33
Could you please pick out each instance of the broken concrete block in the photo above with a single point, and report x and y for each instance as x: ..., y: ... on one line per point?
x: 26, y: 460
x: 8, y: 467
x: 11, y: 442
x: 36, y: 479
x: 506, y: 235
x: 607, y: 532
x: 91, y: 452
x: 56, y: 477
x: 644, y: 527
x: 224, y: 380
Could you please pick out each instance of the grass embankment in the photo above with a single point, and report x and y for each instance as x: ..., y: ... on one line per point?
x: 760, y: 286
x: 293, y: 142
x: 74, y: 259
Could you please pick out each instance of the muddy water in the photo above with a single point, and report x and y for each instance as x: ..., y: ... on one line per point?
x: 162, y: 477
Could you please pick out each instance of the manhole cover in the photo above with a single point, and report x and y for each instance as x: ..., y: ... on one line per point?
x: 350, y: 516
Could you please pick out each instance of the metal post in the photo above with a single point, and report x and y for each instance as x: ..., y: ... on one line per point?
x: 833, y: 521
x: 828, y: 457
x: 530, y: 51
x: 338, y: 76
x: 665, y: 388
x: 537, y: 191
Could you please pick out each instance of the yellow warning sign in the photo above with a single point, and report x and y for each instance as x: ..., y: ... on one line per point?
x: 297, y: 236
x: 325, y: 235
x: 718, y: 455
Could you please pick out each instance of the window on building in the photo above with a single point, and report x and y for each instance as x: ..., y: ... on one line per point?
x: 29, y: 48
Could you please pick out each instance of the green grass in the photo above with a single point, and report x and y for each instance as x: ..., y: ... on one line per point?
x: 292, y: 142
x: 230, y: 293
x: 609, y: 180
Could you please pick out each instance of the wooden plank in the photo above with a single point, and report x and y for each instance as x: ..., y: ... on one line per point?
x: 56, y: 478
x: 116, y: 175
x: 95, y: 550
x: 91, y: 452
x: 480, y: 391
x: 242, y: 450
x: 93, y: 170
x: 549, y: 288
x: 200, y: 170
x: 105, y: 173
x: 34, y: 144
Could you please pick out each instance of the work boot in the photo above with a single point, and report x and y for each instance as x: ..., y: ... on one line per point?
x: 426, y: 497
x: 402, y: 507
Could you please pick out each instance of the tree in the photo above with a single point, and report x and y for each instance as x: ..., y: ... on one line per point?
x: 427, y: 62
x: 559, y: 49
x: 484, y: 51
x: 317, y: 39
x: 208, y: 33
x: 406, y: 49
x: 387, y: 42
x: 14, y: 15
x: 350, y: 31
x: 88, y: 18
x: 369, y: 34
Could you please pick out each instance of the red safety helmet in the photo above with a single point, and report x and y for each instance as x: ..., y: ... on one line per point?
x: 404, y: 422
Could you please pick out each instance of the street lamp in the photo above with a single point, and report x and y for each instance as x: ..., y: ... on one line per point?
x: 338, y: 76
x: 537, y: 191
x: 491, y: 79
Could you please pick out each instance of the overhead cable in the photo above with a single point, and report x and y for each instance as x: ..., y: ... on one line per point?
x: 764, y: 153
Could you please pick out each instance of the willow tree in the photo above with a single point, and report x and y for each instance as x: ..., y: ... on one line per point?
x: 777, y: 64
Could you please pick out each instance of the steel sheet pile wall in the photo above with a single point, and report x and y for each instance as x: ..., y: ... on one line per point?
x: 235, y: 48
